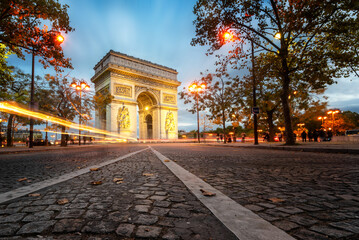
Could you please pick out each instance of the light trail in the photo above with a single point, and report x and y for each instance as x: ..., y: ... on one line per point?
x: 14, y: 108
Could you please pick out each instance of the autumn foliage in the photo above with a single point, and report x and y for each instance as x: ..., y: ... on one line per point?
x: 33, y: 26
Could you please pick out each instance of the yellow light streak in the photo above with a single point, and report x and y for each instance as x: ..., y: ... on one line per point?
x: 14, y: 108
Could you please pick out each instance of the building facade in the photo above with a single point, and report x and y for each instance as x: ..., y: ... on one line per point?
x: 145, y: 97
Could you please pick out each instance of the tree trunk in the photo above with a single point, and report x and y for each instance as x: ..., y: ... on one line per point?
x: 9, y: 131
x: 290, y: 140
x: 63, y: 137
x: 224, y: 127
x: 270, y: 124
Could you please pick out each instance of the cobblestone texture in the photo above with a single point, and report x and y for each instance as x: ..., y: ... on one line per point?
x: 39, y: 166
x: 308, y: 195
x: 156, y: 206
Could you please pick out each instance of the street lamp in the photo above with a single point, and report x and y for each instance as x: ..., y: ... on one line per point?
x: 58, y: 39
x: 196, y: 89
x: 333, y: 112
x: 79, y: 87
x: 228, y: 36
x: 322, y: 118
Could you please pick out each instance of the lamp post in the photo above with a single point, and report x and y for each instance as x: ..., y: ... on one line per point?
x: 58, y: 40
x: 322, y: 118
x: 196, y: 89
x: 228, y: 36
x: 1, y: 121
x: 79, y: 87
x: 333, y: 112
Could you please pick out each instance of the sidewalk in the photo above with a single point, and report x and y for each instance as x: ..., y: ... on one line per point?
x: 324, y: 147
x: 23, y: 149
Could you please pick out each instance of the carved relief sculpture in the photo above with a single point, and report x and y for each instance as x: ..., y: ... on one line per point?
x: 170, y: 122
x: 169, y: 98
x: 123, y: 118
x: 123, y: 90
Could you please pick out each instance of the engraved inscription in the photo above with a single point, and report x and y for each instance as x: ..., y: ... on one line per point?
x: 169, y: 98
x: 123, y: 90
x: 142, y: 67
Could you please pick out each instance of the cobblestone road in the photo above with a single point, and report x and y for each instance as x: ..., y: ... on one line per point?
x: 39, y: 166
x: 150, y: 202
x: 308, y: 195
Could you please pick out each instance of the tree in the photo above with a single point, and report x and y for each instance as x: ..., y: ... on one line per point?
x: 17, y: 90
x: 5, y: 70
x: 216, y: 98
x: 66, y: 102
x: 22, y: 26
x: 346, y: 120
x: 306, y: 32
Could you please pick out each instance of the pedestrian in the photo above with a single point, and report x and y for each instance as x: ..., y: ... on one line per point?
x: 310, y: 136
x: 266, y: 137
x: 221, y: 136
x: 330, y: 135
x: 280, y: 136
x: 315, y: 136
x: 243, y: 137
x: 304, y: 136
x: 229, y: 139
x: 322, y: 135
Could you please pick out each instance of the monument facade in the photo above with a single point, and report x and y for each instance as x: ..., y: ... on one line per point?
x: 145, y: 97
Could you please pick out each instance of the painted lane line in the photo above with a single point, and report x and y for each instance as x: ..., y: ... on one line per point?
x: 242, y: 222
x: 22, y: 191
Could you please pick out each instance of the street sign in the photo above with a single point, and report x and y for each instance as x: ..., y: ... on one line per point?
x: 255, y: 110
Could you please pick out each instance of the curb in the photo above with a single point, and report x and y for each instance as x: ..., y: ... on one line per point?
x: 297, y: 149
x: 42, y: 150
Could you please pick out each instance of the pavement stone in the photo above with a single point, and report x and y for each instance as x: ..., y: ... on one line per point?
x: 36, y: 227
x: 68, y: 225
x: 39, y: 216
x: 148, y: 232
x: 9, y: 229
x: 329, y: 231
x: 12, y: 218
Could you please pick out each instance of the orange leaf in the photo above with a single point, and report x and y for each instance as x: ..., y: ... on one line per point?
x: 22, y: 179
x: 147, y: 174
x: 276, y: 200
x: 94, y: 169
x: 207, y: 194
x: 166, y: 160
x: 96, y: 182
x: 62, y: 201
x: 34, y: 195
x: 118, y: 180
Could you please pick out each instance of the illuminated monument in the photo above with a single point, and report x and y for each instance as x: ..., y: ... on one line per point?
x: 145, y: 95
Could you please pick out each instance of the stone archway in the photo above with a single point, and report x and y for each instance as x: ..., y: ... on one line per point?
x: 147, y: 108
x: 140, y: 89
x: 149, y: 126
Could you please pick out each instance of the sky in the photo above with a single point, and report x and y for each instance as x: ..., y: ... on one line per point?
x: 159, y: 31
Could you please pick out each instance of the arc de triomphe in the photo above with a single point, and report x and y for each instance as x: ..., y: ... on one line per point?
x: 145, y: 95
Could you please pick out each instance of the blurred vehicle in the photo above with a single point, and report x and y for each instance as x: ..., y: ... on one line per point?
x: 352, y: 132
x: 41, y: 142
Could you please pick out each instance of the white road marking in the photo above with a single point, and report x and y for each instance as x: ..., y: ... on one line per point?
x: 242, y: 222
x: 22, y: 191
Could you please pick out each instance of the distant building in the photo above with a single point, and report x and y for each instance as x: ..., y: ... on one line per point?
x: 22, y: 135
